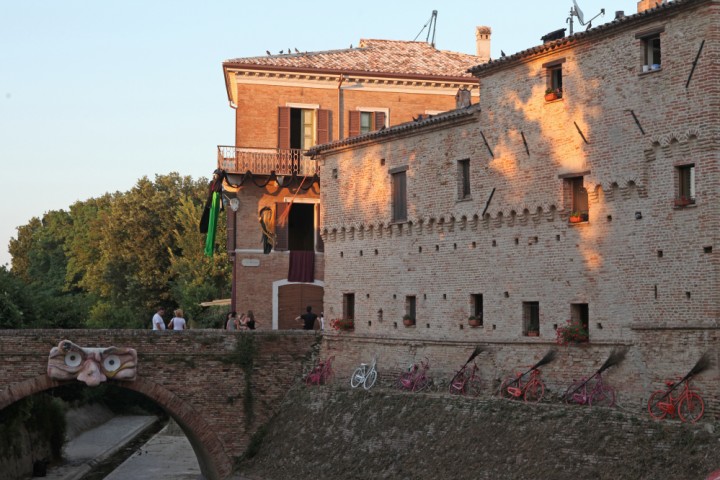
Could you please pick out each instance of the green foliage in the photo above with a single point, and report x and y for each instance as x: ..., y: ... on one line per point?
x: 41, y: 415
x: 109, y: 261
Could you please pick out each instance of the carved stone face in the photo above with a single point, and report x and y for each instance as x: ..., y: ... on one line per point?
x: 93, y: 366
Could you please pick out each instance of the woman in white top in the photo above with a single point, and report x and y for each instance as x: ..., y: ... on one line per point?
x: 178, y: 322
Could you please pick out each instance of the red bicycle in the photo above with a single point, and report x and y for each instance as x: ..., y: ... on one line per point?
x: 415, y: 379
x: 531, y: 391
x: 321, y: 373
x: 688, y: 405
x: 466, y: 381
x: 587, y: 392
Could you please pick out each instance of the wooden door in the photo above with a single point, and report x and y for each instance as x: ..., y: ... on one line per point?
x: 292, y: 301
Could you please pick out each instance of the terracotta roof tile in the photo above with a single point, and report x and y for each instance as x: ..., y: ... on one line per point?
x: 373, y: 56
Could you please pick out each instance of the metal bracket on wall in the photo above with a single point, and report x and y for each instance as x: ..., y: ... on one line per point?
x: 486, y: 144
x: 636, y: 121
x: 581, y: 133
x: 697, y: 57
x: 527, y: 150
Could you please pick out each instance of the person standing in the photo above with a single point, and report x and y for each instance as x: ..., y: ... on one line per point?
x: 232, y: 321
x: 249, y: 321
x: 308, y: 318
x: 177, y: 322
x: 157, y: 321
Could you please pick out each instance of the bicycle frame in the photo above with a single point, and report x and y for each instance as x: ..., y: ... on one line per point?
x: 531, y: 391
x: 364, y: 375
x: 416, y: 378
x: 466, y: 380
x: 688, y: 405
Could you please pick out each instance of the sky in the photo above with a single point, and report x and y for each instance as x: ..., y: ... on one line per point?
x: 96, y: 94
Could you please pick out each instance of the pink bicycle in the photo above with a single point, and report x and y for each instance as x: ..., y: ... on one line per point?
x: 415, y: 379
x: 321, y: 373
x: 466, y: 381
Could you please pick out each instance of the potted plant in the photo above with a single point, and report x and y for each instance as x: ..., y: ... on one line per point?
x: 408, y: 320
x: 552, y: 94
x: 474, y: 321
x: 575, y: 217
x: 572, y: 332
x: 533, y: 333
x: 342, y: 324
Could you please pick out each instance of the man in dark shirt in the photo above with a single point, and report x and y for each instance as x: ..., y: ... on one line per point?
x: 308, y: 319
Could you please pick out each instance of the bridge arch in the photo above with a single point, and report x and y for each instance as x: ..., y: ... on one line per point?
x: 214, y: 462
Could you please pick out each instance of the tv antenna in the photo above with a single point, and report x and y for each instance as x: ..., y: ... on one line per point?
x: 430, y: 25
x: 576, y: 12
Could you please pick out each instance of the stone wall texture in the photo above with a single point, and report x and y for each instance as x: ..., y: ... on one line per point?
x: 648, y: 271
x: 198, y: 376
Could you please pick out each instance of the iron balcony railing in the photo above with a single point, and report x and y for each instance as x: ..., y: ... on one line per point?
x: 263, y: 161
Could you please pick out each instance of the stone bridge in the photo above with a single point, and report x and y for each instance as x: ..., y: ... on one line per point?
x: 218, y: 386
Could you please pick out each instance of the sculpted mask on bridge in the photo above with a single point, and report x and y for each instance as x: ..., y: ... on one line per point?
x: 93, y: 366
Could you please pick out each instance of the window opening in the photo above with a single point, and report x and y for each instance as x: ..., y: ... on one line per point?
x: 579, y: 315
x: 476, y: 301
x: 531, y: 318
x: 302, y: 128
x: 410, y: 304
x: 579, y: 208
x: 464, y: 179
x: 301, y: 227
x: 686, y: 185
x: 349, y: 305
x: 651, y: 52
x: 399, y: 196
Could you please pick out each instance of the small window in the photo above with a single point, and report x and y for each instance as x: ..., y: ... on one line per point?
x: 410, y: 303
x: 399, y: 196
x: 366, y: 120
x: 554, y: 88
x: 349, y: 306
x: 476, y: 300
x: 463, y: 179
x: 651, y: 53
x: 577, y: 198
x: 579, y: 315
x: 531, y: 319
x: 685, y: 186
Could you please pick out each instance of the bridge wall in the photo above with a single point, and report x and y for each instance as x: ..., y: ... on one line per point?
x: 198, y: 376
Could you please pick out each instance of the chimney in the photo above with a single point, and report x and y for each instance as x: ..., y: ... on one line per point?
x: 482, y: 43
x: 619, y: 15
x: 643, y: 5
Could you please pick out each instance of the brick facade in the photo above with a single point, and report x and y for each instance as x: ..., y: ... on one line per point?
x: 196, y: 376
x: 646, y: 270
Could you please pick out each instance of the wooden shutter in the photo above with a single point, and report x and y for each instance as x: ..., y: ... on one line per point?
x: 354, y: 124
x: 319, y: 243
x: 399, y: 194
x: 379, y: 120
x: 323, y: 126
x: 282, y: 230
x: 284, y: 128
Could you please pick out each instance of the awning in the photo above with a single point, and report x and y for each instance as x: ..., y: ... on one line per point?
x: 216, y: 303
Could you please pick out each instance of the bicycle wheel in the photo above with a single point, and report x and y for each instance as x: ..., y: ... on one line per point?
x: 457, y: 386
x: 691, y: 408
x: 653, y: 408
x: 473, y: 387
x: 603, y: 397
x: 358, y: 377
x: 534, y: 391
x: 404, y: 381
x: 421, y: 383
x: 508, y: 382
x: 370, y: 379
x: 574, y: 393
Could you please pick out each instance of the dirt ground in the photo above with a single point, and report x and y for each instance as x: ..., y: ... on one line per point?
x: 334, y: 433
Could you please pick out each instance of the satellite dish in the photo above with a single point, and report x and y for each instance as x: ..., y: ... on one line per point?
x: 579, y: 13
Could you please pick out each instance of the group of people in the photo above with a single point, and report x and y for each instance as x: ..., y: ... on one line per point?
x: 176, y: 323
x: 243, y: 322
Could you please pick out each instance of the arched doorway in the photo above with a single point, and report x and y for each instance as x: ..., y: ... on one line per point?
x: 290, y: 300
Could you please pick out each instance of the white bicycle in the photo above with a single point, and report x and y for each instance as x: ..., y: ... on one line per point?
x: 364, y: 375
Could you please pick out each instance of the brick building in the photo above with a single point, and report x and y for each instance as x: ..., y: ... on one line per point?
x: 289, y: 102
x: 598, y: 204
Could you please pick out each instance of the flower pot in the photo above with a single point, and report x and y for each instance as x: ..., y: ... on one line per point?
x: 408, y: 322
x: 549, y: 97
x: 575, y: 218
x: 533, y: 333
x: 474, y: 322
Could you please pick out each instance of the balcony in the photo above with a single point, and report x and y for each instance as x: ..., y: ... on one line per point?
x: 263, y: 161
